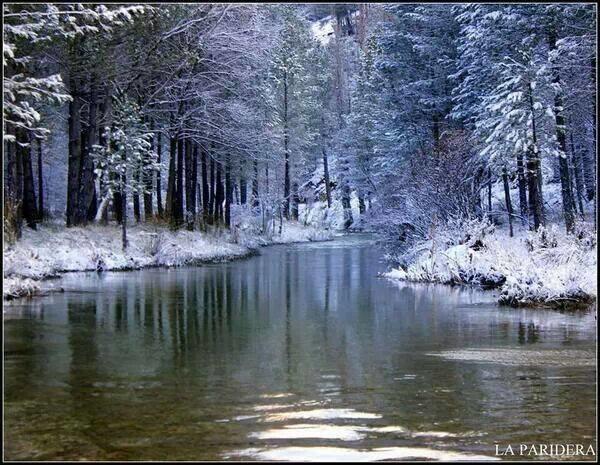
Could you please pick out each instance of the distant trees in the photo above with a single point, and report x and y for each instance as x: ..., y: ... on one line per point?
x: 489, y: 79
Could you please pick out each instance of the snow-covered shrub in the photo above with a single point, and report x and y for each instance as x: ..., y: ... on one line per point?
x: 152, y: 243
x: 543, y: 238
x: 19, y: 287
x: 470, y: 231
x: 585, y: 234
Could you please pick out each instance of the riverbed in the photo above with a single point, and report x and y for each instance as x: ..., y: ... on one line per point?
x: 300, y: 353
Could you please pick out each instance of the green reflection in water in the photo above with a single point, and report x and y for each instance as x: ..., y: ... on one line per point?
x: 299, y: 348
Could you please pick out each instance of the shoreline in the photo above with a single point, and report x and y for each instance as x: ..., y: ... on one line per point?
x: 547, y: 269
x: 36, y: 258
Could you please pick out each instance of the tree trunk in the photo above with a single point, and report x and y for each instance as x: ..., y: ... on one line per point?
x: 205, y: 188
x: 228, y: 192
x: 29, y: 205
x: 137, y: 214
x: 243, y: 185
x: 489, y: 194
x: 190, y: 195
x: 522, y: 189
x: 255, y: 185
x: 148, y: 181
x: 348, y: 220
x: 286, y: 182
x: 181, y: 143
x: 124, y: 211
x: 509, y: 209
x: 213, y: 192
x: 218, y: 196
x: 40, y: 182
x: 196, y: 200
x: 159, y: 204
x: 533, y: 174
x: 565, y: 182
x: 326, y: 176
x: 576, y: 158
x: 361, y: 204
x: 74, y: 168
x: 19, y: 177
x: 87, y: 190
x: 170, y: 206
x: 118, y: 206
x: 295, y: 202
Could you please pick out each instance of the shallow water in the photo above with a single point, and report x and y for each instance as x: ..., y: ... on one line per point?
x: 301, y: 353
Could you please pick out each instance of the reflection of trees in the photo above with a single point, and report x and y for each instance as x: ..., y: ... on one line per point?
x: 279, y: 322
x: 528, y: 333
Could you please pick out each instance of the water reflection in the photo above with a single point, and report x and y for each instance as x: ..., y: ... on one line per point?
x: 294, y: 351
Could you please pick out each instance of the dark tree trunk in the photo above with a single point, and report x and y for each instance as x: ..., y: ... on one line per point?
x: 106, y: 110
x: 74, y: 167
x: 348, y: 220
x: 361, y: 204
x: 326, y: 176
x: 489, y: 193
x: 196, y: 200
x: 295, y: 202
x: 212, y: 206
x: 124, y: 211
x: 243, y: 185
x: 118, y: 206
x: 30, y: 213
x: 159, y: 204
x: 436, y: 131
x: 286, y: 182
x: 228, y: 192
x: 187, y: 160
x: 533, y: 174
x: 170, y: 206
x: 565, y: 182
x: 40, y: 181
x: 255, y: 185
x: 190, y: 196
x: 205, y: 188
x: 522, y: 189
x: 148, y: 181
x: 181, y: 143
x: 576, y: 158
x: 12, y: 201
x: 137, y: 214
x: 218, y: 196
x: 87, y: 201
x: 118, y: 197
x: 509, y: 209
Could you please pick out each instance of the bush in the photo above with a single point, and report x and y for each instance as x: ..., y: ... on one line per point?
x: 543, y: 238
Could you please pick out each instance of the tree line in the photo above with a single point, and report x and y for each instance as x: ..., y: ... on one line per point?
x: 185, y: 113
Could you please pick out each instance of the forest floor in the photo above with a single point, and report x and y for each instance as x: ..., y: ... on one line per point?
x: 547, y: 268
x: 53, y: 249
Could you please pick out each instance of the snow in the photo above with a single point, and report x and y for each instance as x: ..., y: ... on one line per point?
x: 323, y: 30
x: 547, y: 267
x: 54, y: 249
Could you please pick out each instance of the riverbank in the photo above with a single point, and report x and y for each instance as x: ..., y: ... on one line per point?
x: 53, y: 249
x: 547, y: 268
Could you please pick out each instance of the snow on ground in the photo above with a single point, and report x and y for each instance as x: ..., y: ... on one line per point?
x: 547, y: 267
x: 53, y: 249
x: 317, y: 214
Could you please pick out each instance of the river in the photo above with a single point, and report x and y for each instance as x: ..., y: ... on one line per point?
x: 300, y: 353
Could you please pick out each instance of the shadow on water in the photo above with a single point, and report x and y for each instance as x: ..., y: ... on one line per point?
x: 299, y: 353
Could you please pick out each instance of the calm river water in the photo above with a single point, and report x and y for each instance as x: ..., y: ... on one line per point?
x: 300, y: 353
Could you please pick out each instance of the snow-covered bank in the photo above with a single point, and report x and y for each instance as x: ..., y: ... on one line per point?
x: 53, y: 249
x: 543, y: 268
